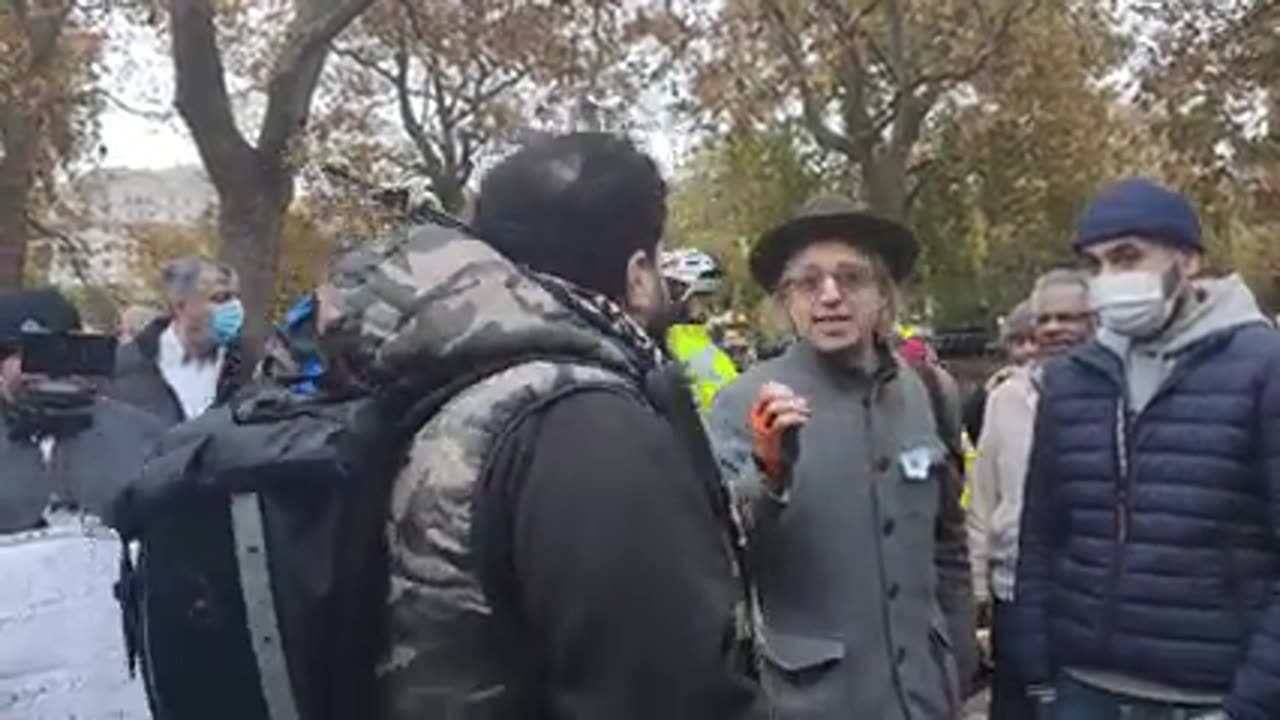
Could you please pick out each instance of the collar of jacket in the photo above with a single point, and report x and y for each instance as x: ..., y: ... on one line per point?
x: 236, y: 368
x: 148, y: 342
x: 888, y: 365
x: 1102, y: 359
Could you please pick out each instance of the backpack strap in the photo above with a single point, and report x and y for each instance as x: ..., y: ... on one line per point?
x: 948, y: 433
x: 263, y: 624
x: 493, y: 517
x: 951, y: 514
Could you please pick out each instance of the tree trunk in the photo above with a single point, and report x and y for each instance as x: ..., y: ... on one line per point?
x: 13, y: 235
x: 19, y: 137
x: 452, y: 196
x: 884, y: 186
x: 250, y: 218
x: 253, y: 181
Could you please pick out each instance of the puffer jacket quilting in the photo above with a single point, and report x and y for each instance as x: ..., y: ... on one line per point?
x: 1150, y: 546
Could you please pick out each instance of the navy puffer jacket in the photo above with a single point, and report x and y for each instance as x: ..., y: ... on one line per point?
x: 1150, y: 545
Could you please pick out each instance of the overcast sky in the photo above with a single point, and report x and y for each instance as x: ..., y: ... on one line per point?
x: 139, y: 72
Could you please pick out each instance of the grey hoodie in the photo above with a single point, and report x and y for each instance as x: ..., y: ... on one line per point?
x: 1217, y: 305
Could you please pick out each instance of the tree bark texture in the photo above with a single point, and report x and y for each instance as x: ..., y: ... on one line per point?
x: 254, y: 181
x: 20, y: 136
x: 15, y: 189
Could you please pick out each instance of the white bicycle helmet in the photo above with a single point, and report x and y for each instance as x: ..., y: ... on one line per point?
x: 695, y: 270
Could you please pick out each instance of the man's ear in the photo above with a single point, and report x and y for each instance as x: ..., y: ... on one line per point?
x: 641, y: 271
x: 1193, y: 263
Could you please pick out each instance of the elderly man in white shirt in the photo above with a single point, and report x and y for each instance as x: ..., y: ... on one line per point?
x: 191, y: 359
x: 1063, y: 320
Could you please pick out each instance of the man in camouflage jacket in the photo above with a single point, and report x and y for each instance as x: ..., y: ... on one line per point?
x: 561, y: 545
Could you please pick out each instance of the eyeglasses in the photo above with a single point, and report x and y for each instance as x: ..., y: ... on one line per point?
x: 849, y: 279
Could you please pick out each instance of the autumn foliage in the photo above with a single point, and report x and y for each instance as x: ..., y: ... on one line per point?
x: 984, y: 125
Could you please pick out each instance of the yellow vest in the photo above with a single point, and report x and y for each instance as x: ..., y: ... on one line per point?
x: 706, y: 366
x: 970, y: 460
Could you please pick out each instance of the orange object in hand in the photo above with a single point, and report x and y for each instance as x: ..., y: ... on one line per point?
x: 774, y: 444
x: 766, y: 439
x: 775, y: 420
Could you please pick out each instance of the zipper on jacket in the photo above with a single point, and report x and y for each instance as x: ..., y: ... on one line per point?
x: 1124, y: 479
x: 1124, y: 453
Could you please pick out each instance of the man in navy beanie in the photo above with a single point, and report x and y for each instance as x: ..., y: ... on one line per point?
x: 1148, y: 584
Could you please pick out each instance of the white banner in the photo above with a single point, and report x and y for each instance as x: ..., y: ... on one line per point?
x: 62, y: 653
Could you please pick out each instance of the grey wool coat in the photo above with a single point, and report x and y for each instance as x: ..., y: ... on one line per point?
x: 862, y: 584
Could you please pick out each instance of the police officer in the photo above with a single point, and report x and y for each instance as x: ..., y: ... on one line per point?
x: 692, y: 278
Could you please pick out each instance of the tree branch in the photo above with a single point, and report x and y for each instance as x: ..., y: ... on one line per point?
x: 202, y: 98
x: 311, y: 36
x: 76, y: 249
x: 935, y: 84
x: 412, y: 127
x: 120, y: 104
x: 823, y: 133
x: 42, y: 27
x: 920, y: 172
x: 898, y: 55
x: 863, y: 131
x: 294, y: 77
x: 367, y: 63
x: 482, y: 97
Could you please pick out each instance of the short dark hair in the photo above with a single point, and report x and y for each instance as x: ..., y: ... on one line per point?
x: 576, y: 206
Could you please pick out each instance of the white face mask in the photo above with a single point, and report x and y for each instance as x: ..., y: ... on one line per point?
x: 1133, y: 304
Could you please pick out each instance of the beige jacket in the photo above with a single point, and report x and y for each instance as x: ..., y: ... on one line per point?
x: 995, y: 505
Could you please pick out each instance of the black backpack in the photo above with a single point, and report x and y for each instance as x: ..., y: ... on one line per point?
x: 254, y: 575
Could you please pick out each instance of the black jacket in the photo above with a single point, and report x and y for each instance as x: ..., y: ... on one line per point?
x: 89, y: 467
x: 138, y: 381
x: 596, y: 521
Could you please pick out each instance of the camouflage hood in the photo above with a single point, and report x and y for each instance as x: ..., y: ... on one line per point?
x: 431, y: 303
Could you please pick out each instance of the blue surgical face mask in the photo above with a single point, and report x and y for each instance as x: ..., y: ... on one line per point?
x: 226, y: 319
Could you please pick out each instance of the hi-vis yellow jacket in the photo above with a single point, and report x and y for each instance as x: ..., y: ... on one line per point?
x: 970, y: 462
x: 706, y: 366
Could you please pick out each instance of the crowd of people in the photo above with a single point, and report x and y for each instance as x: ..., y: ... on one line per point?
x: 616, y: 508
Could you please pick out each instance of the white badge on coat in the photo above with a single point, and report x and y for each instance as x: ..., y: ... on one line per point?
x: 917, y: 461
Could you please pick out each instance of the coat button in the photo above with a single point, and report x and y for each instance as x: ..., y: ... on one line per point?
x: 883, y: 464
x: 893, y: 591
x: 889, y: 525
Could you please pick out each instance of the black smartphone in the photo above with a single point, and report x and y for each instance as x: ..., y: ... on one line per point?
x: 65, y: 354
x: 791, y: 446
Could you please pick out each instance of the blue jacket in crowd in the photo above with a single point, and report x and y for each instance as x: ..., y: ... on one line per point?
x: 1150, y: 543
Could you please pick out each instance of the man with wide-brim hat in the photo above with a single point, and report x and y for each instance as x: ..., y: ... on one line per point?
x: 834, y: 217
x: 856, y: 567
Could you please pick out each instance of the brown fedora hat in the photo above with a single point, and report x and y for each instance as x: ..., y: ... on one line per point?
x: 834, y: 218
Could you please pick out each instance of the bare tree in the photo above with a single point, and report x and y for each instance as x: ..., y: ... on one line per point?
x: 254, y: 180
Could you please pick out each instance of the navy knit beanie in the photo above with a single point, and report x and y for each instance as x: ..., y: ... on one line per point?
x: 1140, y: 208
